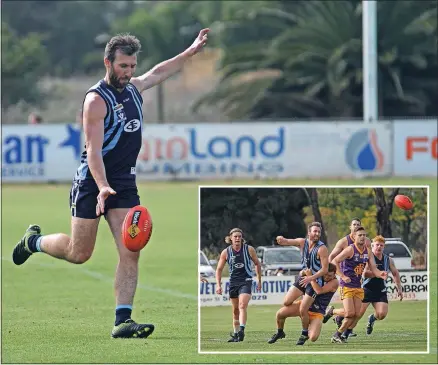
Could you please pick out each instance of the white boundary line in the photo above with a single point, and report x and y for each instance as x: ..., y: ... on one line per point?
x: 317, y: 352
x: 102, y: 277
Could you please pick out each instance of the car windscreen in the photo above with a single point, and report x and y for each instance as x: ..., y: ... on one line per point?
x: 282, y: 257
x: 397, y: 250
x: 202, y: 260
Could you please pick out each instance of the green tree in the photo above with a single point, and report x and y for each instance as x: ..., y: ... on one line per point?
x: 69, y: 29
x: 312, y: 67
x: 24, y: 60
x: 262, y: 214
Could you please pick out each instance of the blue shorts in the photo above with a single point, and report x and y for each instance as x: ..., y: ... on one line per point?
x: 240, y: 288
x: 306, y: 290
x: 83, y: 197
x: 371, y: 296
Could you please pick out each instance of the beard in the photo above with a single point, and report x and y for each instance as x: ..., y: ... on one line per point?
x: 117, y: 82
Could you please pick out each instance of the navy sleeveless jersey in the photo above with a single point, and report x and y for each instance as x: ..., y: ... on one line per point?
x: 122, y: 140
x: 239, y: 263
x: 377, y: 284
x: 321, y: 302
x: 310, y: 260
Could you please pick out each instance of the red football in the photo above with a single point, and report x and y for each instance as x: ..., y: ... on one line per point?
x: 137, y: 228
x: 403, y: 202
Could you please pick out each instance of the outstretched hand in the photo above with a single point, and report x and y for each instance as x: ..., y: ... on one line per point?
x: 199, y: 42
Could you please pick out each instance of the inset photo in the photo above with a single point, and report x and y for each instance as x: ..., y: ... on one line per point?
x: 333, y: 269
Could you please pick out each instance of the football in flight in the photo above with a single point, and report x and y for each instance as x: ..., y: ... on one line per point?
x: 403, y: 202
x: 137, y: 228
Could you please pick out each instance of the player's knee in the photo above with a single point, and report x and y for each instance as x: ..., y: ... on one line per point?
x: 350, y: 314
x: 242, y: 306
x: 287, y: 302
x: 279, y: 314
x: 303, y: 312
x: 380, y: 315
x: 79, y: 257
x: 236, y: 313
x: 313, y: 336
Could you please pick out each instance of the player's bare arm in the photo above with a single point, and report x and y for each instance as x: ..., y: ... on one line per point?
x: 282, y: 241
x: 368, y: 243
x: 93, y: 118
x: 331, y: 286
x: 220, y: 266
x: 258, y: 266
x: 323, y: 255
x: 396, y: 275
x: 373, y: 267
x: 347, y: 253
x: 165, y: 69
x: 340, y: 245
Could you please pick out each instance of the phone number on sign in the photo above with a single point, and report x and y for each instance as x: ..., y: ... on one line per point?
x: 253, y: 297
x: 394, y: 296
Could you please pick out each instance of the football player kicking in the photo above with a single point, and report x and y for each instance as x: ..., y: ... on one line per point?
x: 317, y: 309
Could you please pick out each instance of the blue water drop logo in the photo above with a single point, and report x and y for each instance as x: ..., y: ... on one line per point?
x: 366, y: 160
x: 362, y: 152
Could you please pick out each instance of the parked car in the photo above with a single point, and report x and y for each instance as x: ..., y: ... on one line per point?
x: 274, y: 258
x: 400, y: 253
x: 206, y: 269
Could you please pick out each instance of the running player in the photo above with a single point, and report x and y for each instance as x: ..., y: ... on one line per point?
x: 340, y: 245
x: 317, y: 309
x: 350, y: 264
x: 314, y: 256
x: 105, y: 182
x: 375, y: 288
x: 238, y: 256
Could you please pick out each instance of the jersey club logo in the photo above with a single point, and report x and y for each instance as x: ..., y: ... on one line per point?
x: 132, y: 126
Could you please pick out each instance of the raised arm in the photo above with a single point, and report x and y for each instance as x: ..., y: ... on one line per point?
x: 396, y: 276
x: 165, y: 69
x: 255, y: 259
x: 340, y: 245
x: 290, y: 241
x: 220, y: 266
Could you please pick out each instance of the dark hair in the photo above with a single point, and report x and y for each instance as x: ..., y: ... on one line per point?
x: 228, y: 238
x: 126, y: 43
x: 314, y: 224
x: 358, y: 228
x: 331, y: 267
x: 356, y: 219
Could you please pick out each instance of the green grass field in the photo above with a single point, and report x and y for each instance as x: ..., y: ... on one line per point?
x: 403, y: 330
x: 56, y: 312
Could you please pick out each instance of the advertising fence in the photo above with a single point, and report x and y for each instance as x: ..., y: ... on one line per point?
x: 415, y: 148
x: 43, y: 153
x: 274, y: 288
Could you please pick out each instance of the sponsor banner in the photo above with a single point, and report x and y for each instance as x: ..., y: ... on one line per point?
x: 265, y: 150
x: 33, y: 153
x: 415, y: 148
x: 274, y: 288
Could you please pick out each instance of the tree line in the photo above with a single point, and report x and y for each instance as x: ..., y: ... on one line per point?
x: 280, y: 59
x: 264, y: 213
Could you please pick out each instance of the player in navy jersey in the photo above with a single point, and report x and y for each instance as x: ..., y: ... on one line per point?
x: 105, y: 182
x: 375, y: 291
x: 239, y: 257
x: 314, y: 256
x: 316, y: 312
